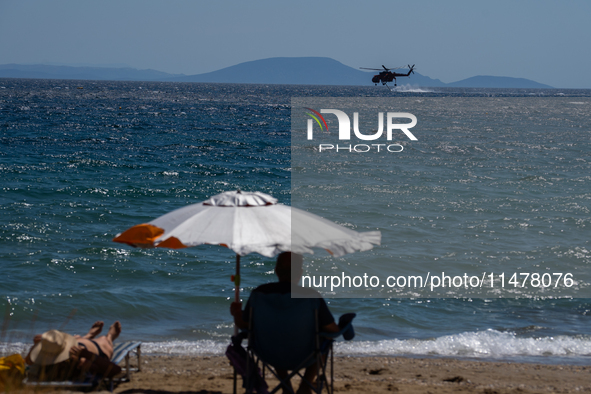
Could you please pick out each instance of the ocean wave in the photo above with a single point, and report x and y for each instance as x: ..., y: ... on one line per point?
x: 481, y: 344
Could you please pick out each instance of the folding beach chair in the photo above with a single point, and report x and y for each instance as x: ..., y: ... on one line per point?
x: 124, y: 351
x: 63, y: 375
x: 56, y: 377
x: 284, y: 335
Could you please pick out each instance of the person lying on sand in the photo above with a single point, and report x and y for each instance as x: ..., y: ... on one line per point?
x: 80, y: 353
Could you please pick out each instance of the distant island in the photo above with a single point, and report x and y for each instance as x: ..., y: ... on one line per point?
x: 277, y: 70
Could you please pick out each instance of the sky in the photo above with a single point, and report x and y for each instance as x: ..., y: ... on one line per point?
x: 542, y: 40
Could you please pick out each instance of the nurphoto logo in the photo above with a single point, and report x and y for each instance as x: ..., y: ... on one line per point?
x: 345, y: 130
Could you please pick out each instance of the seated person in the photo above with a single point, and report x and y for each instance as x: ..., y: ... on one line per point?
x: 61, y: 356
x: 283, y: 270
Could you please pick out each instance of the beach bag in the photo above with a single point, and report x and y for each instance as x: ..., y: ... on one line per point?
x: 12, y: 372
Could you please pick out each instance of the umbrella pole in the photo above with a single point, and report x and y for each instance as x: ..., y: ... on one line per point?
x: 237, y: 280
x: 237, y: 287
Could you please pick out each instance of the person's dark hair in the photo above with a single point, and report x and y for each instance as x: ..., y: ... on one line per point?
x: 286, y: 262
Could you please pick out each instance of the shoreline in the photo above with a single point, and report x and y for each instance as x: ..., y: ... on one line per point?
x: 214, y: 375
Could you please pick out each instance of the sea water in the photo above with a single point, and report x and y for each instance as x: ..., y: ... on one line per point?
x: 82, y: 161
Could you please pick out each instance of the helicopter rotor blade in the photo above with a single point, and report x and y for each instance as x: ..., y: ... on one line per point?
x: 374, y: 69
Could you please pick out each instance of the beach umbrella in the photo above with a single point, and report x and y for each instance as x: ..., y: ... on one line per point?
x: 247, y: 222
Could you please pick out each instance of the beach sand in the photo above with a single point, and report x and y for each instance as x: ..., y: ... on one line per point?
x: 213, y: 375
x: 363, y: 375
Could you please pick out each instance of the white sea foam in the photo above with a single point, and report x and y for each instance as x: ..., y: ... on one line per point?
x: 482, y: 344
x: 193, y: 348
x: 410, y: 89
x: 486, y: 344
x: 489, y: 344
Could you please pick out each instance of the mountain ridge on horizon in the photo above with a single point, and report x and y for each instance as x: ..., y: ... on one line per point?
x: 276, y: 70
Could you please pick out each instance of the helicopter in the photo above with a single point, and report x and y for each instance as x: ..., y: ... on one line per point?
x: 388, y: 76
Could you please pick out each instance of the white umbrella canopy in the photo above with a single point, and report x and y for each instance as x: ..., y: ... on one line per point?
x: 248, y: 222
